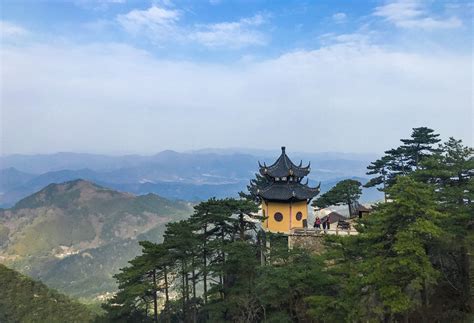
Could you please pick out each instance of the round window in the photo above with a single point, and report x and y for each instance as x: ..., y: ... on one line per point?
x: 278, y: 217
x: 299, y: 216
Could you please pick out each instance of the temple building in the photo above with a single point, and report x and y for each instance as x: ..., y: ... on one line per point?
x: 284, y: 197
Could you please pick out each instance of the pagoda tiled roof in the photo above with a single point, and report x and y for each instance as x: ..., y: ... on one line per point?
x: 286, y: 190
x: 284, y: 167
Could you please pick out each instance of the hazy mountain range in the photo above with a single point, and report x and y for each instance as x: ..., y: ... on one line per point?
x: 195, y: 175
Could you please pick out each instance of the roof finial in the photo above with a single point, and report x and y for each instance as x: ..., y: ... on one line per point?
x: 283, y: 149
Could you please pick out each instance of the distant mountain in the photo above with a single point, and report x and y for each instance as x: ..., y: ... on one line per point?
x: 12, y: 177
x: 43, y: 163
x: 16, y: 193
x: 74, y: 161
x: 191, y: 176
x: 38, y: 164
x: 74, y: 236
x: 269, y: 153
x: 25, y: 300
x: 169, y: 189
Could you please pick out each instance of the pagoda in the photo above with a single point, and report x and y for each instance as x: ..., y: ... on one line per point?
x: 284, y: 197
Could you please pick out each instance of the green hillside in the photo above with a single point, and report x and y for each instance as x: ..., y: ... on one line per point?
x: 74, y: 236
x: 25, y: 300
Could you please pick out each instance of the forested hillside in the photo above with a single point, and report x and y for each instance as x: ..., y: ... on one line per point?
x: 75, y: 235
x: 25, y: 300
x: 410, y: 261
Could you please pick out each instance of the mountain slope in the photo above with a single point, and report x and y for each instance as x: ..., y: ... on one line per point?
x: 25, y: 300
x: 76, y: 235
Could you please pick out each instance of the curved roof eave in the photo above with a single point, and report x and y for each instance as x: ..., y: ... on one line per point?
x: 283, y: 166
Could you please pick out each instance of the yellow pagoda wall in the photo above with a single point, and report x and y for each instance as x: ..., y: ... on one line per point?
x: 289, y: 211
x: 295, y: 208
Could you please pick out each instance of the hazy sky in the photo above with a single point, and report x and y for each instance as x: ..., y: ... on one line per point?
x: 118, y: 76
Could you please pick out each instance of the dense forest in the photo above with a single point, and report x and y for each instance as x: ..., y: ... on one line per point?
x: 25, y: 300
x: 410, y: 261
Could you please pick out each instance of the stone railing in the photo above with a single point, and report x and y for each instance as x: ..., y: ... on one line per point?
x: 316, y: 232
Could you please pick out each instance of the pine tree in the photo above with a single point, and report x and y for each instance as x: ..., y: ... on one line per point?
x: 404, y: 159
x: 241, y: 301
x: 202, y: 221
x: 138, y: 288
x: 379, y: 168
x: 158, y: 258
x: 398, y: 162
x: 181, y: 242
x: 345, y: 192
x: 420, y: 145
x: 246, y: 212
x: 258, y: 182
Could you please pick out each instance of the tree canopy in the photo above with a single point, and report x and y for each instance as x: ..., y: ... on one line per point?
x: 404, y: 159
x: 25, y: 300
x: 344, y: 192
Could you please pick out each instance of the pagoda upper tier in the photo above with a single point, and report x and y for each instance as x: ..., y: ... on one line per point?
x: 284, y: 181
x: 284, y: 167
x: 286, y: 191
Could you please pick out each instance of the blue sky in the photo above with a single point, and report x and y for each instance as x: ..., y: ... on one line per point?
x: 122, y: 76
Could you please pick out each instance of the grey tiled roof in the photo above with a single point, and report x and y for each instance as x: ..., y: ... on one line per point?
x: 284, y: 191
x: 357, y: 207
x: 333, y: 217
x: 284, y: 167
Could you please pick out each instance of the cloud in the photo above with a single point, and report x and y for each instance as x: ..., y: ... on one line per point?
x: 354, y: 38
x: 10, y: 30
x: 231, y: 34
x: 362, y: 37
x: 157, y: 22
x: 411, y: 14
x: 339, y: 17
x: 430, y: 23
x: 341, y: 97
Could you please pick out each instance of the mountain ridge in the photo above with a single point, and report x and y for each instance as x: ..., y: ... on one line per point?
x: 81, y: 225
x: 42, y: 163
x: 189, y: 175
